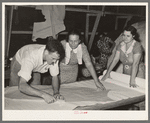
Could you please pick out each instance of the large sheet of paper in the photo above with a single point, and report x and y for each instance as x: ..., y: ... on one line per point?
x: 76, y: 94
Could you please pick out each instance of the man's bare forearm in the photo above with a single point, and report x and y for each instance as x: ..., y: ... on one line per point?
x: 29, y: 90
x: 55, y: 84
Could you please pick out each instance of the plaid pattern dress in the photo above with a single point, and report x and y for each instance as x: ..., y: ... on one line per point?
x: 137, y: 49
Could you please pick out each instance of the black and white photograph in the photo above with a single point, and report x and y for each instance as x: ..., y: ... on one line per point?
x: 75, y: 61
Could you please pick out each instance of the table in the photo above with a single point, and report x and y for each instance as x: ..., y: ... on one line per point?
x: 81, y: 95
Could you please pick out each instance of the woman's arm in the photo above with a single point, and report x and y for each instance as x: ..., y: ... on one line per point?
x: 113, y: 45
x: 91, y: 69
x: 89, y: 65
x: 112, y: 65
x: 135, y: 66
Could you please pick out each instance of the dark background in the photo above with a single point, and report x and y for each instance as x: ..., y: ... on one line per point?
x: 24, y: 17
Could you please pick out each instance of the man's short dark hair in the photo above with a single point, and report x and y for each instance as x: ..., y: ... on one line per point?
x: 53, y: 45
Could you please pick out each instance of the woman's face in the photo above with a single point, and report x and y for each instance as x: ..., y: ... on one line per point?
x: 127, y: 36
x: 74, y: 41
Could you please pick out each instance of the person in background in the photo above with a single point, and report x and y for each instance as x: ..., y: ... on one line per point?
x: 129, y: 52
x: 76, y: 51
x: 30, y: 61
x: 105, y: 46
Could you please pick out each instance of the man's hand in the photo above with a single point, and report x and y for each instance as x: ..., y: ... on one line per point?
x: 58, y: 96
x: 48, y: 98
x: 100, y: 86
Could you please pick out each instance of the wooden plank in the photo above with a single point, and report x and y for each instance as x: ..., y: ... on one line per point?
x: 22, y: 32
x: 112, y: 105
x: 61, y: 33
x: 6, y: 32
x: 87, y: 29
x: 116, y: 23
x: 88, y: 11
x: 103, y: 10
x: 97, y: 12
x: 94, y: 31
x: 128, y: 18
x: 9, y: 32
x: 118, y: 17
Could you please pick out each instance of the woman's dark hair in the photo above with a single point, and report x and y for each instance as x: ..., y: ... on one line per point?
x: 133, y: 32
x: 74, y: 32
x: 53, y: 45
x: 131, y: 29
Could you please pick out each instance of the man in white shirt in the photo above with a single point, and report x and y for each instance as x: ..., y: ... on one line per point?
x: 33, y: 59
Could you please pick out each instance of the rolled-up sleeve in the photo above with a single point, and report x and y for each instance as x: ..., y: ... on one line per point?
x: 26, y: 69
x: 54, y: 69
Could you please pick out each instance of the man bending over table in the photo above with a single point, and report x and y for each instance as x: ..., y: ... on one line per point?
x: 30, y: 61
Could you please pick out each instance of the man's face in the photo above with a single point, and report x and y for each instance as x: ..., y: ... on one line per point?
x: 52, y: 58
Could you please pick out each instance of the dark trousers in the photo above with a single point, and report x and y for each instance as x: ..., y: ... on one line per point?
x: 14, y: 78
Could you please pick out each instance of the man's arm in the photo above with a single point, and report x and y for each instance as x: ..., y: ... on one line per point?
x: 55, y: 84
x: 56, y: 87
x: 54, y: 71
x: 29, y: 90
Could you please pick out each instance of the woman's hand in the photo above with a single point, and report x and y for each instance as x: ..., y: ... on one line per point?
x: 48, y: 98
x: 133, y: 84
x: 58, y: 96
x: 100, y: 86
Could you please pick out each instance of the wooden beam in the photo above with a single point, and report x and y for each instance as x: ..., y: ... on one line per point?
x: 88, y: 7
x: 128, y: 18
x: 97, y: 12
x: 7, y: 43
x: 103, y: 10
x: 116, y: 23
x: 94, y: 31
x: 22, y: 32
x: 87, y: 29
x: 125, y: 17
x: 88, y: 11
x: 6, y: 31
x: 112, y: 105
x: 30, y: 32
